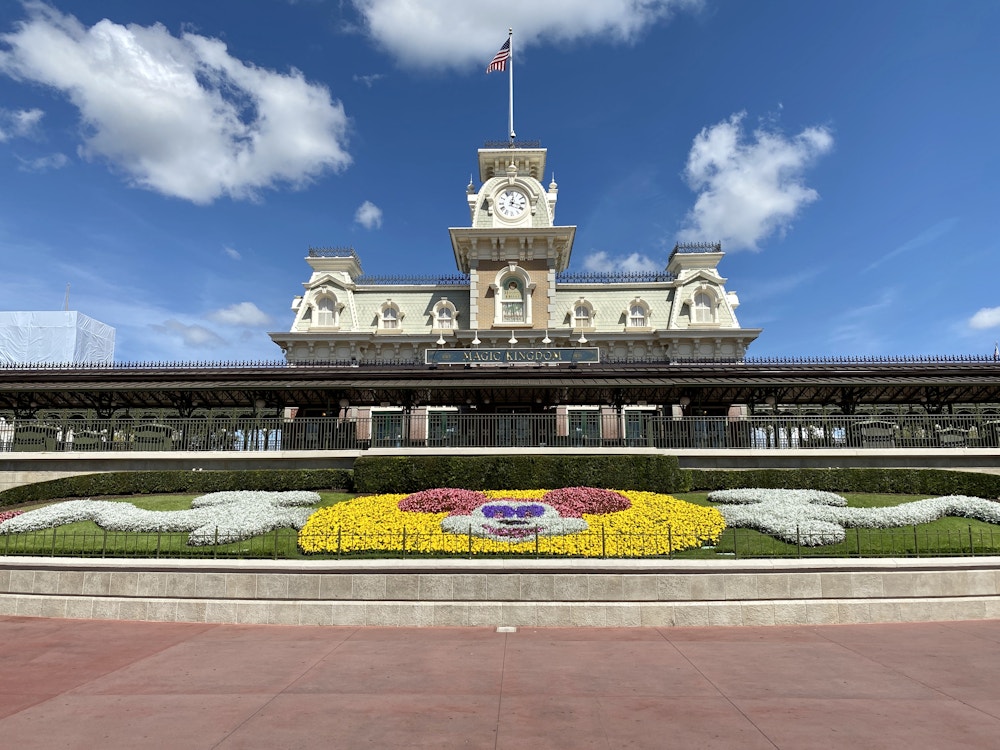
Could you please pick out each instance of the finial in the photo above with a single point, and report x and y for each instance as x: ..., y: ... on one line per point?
x: 470, y: 188
x: 552, y: 185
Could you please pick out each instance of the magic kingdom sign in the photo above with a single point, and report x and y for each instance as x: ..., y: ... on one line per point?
x: 524, y: 356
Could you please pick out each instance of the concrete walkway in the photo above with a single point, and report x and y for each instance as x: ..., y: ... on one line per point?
x: 112, y: 684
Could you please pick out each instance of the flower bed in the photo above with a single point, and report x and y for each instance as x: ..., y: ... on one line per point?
x: 815, y: 518
x: 219, y: 517
x: 575, y: 521
x: 9, y: 514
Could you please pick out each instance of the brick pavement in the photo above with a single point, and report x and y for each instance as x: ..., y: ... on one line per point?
x: 115, y: 684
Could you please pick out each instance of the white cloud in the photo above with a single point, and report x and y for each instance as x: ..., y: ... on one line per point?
x: 748, y: 189
x: 232, y: 252
x: 987, y: 317
x: 44, y: 163
x: 192, y: 335
x: 19, y: 123
x: 240, y: 314
x: 180, y: 116
x: 600, y: 262
x: 459, y: 33
x: 369, y: 80
x: 369, y: 215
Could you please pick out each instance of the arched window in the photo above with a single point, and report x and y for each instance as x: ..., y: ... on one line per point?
x: 638, y: 314
x: 390, y: 317
x: 512, y: 290
x: 583, y: 315
x: 702, y: 308
x: 512, y: 300
x: 326, y: 311
x: 445, y: 315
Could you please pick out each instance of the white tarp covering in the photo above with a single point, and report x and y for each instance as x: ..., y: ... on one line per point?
x: 55, y: 338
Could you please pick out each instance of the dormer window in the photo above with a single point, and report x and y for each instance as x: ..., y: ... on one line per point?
x: 326, y: 312
x: 390, y: 317
x: 702, y: 308
x: 583, y: 315
x: 445, y: 316
x: 638, y: 314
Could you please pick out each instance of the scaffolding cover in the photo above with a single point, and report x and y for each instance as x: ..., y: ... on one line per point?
x: 55, y: 338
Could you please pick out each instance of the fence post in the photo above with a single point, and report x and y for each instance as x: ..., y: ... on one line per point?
x: 604, y: 548
x: 916, y: 547
x: 670, y: 540
x: 470, y: 541
x: 338, y: 542
x: 54, y: 532
x: 158, y: 542
x: 972, y: 547
x: 798, y: 542
x: 404, y: 541
x: 857, y: 536
x: 215, y: 547
x: 275, y: 544
x: 536, y: 542
x: 736, y: 553
x: 104, y: 545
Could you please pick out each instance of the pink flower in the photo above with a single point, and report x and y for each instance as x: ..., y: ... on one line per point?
x: 442, y: 499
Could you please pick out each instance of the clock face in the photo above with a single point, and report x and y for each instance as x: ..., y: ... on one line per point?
x: 511, y: 203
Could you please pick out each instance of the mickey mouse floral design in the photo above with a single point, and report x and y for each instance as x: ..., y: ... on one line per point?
x: 508, y: 519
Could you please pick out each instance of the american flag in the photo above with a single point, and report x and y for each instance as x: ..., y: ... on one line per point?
x: 500, y: 58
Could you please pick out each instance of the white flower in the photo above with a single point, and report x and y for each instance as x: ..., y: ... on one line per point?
x: 219, y: 516
x: 813, y: 518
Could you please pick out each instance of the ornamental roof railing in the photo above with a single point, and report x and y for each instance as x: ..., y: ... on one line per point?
x: 917, y: 359
x: 697, y: 247
x: 333, y: 252
x: 408, y: 280
x: 516, y: 144
x: 613, y: 277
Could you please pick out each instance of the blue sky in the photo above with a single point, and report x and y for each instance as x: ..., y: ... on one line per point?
x: 173, y: 162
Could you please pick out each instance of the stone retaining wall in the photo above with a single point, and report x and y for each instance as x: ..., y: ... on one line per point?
x: 504, y: 593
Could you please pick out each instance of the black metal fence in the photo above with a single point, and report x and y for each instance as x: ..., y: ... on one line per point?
x: 583, y: 428
x: 973, y: 540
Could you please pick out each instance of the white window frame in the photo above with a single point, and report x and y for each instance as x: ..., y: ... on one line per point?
x: 505, y: 275
x: 634, y: 322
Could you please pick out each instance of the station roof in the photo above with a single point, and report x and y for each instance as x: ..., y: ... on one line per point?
x: 933, y: 382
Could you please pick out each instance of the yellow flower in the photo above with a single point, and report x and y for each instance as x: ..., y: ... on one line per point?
x: 656, y: 524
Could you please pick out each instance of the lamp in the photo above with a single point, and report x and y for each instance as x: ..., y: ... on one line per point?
x: 684, y: 401
x: 440, y: 341
x: 476, y: 341
x: 582, y: 339
x: 546, y: 340
x: 512, y: 340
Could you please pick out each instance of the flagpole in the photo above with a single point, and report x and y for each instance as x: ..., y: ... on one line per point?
x: 510, y: 67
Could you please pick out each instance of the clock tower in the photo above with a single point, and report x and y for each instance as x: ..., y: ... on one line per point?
x: 513, y: 249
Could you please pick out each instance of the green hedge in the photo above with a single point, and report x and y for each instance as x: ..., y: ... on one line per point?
x: 385, y: 474
x: 184, y: 482
x: 891, y: 481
